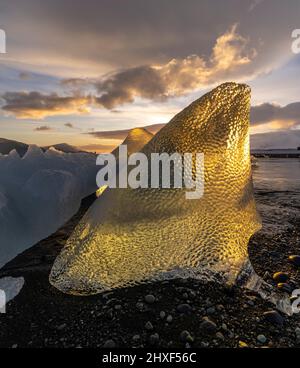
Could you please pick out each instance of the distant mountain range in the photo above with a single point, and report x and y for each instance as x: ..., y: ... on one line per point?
x: 287, y: 139
x: 7, y: 145
x: 283, y: 139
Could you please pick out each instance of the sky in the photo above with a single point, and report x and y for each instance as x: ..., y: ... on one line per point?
x: 84, y: 72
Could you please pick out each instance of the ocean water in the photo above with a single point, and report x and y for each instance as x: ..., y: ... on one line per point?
x: 277, y: 174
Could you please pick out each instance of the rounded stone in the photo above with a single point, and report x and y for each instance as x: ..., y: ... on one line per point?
x: 109, y: 344
x: 150, y: 299
x: 162, y: 314
x: 184, y: 308
x: 284, y: 287
x: 295, y: 260
x: 207, y: 326
x: 280, y: 277
x: 136, y: 338
x: 274, y: 318
x: 154, y: 339
x: 185, y: 336
x: 169, y: 318
x: 262, y: 339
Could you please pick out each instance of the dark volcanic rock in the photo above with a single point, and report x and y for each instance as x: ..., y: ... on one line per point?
x: 285, y: 287
x: 184, y: 308
x: 109, y: 344
x: 207, y: 326
x: 273, y: 317
x: 295, y: 260
x: 185, y: 336
x: 280, y: 277
x: 154, y: 339
x: 150, y: 299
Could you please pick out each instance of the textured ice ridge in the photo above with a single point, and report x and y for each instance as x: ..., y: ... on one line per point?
x: 131, y: 236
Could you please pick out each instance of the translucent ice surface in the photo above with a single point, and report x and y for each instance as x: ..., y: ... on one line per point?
x: 131, y: 236
x: 9, y: 289
x: 39, y: 193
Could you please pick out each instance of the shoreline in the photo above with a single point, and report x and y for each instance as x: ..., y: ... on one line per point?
x: 213, y: 315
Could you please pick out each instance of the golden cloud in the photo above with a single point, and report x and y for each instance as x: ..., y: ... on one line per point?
x: 35, y: 105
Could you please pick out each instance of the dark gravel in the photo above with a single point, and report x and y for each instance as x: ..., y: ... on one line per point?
x: 177, y: 313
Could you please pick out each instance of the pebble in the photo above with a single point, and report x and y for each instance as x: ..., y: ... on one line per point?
x: 280, y: 277
x: 162, y: 314
x: 266, y: 275
x: 185, y: 296
x: 149, y: 326
x: 136, y: 338
x: 273, y: 317
x: 262, y: 339
x: 224, y: 327
x: 284, y: 287
x: 243, y: 344
x: 184, y: 308
x: 140, y: 306
x: 169, y: 318
x: 109, y: 344
x: 211, y: 310
x: 208, y: 326
x: 150, y: 299
x: 185, y: 336
x: 297, y: 332
x: 220, y: 336
x: 110, y: 314
x: 154, y: 339
x: 295, y: 260
x: 61, y: 327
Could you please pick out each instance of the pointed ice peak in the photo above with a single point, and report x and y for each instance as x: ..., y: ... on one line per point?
x: 14, y: 154
x: 33, y: 151
x: 135, y: 140
x: 52, y: 151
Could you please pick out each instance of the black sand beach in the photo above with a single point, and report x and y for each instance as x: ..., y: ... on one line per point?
x: 178, y: 313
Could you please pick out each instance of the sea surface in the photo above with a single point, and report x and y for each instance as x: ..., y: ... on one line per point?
x: 277, y: 174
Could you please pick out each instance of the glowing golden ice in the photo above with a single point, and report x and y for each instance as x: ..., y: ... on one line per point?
x: 131, y: 236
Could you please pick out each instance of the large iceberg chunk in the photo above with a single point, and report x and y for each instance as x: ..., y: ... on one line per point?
x: 39, y: 193
x: 131, y: 236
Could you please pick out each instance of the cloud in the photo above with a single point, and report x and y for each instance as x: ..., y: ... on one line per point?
x: 103, y: 148
x: 43, y: 128
x: 107, y: 35
x: 281, y: 116
x: 177, y: 77
x: 121, y: 134
x: 110, y: 134
x: 24, y: 76
x: 69, y: 125
x: 230, y: 54
x: 35, y: 105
